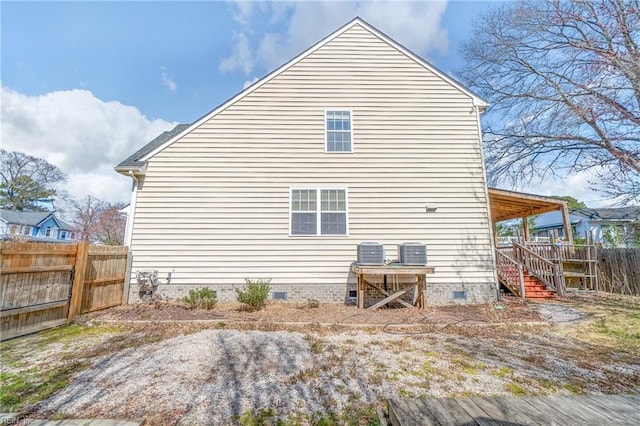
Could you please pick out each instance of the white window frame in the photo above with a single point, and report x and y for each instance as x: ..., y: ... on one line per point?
x: 319, y: 210
x: 326, y: 130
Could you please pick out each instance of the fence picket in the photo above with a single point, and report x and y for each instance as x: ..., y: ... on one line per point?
x: 35, y: 279
x: 619, y: 270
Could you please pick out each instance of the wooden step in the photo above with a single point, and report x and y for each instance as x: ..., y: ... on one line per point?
x: 535, y: 288
x: 540, y: 295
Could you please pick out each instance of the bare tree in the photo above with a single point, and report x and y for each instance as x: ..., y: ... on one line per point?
x: 26, y: 182
x: 100, y: 222
x: 563, y: 82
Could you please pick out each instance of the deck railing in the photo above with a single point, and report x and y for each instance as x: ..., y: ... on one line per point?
x: 563, y: 252
x: 547, y: 271
x: 510, y: 271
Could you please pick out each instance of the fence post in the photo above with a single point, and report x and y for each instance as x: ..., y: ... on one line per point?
x: 127, y: 279
x: 78, y: 280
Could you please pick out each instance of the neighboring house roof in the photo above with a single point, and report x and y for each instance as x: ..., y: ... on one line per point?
x: 23, y: 218
x: 137, y: 161
x: 554, y: 220
x: 621, y: 214
x: 625, y: 214
x: 31, y: 218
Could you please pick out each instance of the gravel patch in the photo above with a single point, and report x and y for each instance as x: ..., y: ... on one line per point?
x: 558, y: 313
x: 212, y: 377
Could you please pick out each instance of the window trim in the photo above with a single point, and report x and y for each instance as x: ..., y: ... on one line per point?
x: 326, y: 130
x: 318, y: 190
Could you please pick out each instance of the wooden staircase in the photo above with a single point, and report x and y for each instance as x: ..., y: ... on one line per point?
x: 527, y: 273
x: 533, y: 287
x: 536, y: 289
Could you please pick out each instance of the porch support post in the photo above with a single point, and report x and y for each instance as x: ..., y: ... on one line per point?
x: 568, y: 232
x: 525, y: 228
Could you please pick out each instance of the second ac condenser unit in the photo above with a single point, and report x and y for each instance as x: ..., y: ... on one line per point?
x: 370, y: 254
x: 412, y: 254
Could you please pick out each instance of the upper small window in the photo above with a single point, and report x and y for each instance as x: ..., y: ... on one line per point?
x: 338, y: 131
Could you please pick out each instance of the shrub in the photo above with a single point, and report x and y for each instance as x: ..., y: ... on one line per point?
x: 254, y: 294
x: 202, y: 298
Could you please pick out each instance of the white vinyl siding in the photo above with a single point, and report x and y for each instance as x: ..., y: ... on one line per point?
x: 328, y: 216
x: 214, y: 207
x: 338, y: 131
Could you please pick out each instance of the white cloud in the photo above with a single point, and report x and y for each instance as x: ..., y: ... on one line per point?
x: 167, y: 81
x: 81, y: 134
x: 578, y: 185
x: 417, y: 25
x: 249, y: 82
x: 241, y: 58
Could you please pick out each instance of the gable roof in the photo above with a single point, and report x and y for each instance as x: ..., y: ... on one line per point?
x: 138, y: 159
x: 23, y: 218
x: 31, y: 218
x: 134, y: 159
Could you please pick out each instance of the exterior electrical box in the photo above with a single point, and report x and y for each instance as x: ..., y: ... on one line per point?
x: 370, y: 253
x: 412, y: 254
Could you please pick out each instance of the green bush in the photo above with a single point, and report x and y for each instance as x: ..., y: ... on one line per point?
x: 254, y: 294
x: 202, y: 298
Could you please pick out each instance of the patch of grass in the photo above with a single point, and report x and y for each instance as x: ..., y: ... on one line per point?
x: 614, y: 322
x: 258, y: 418
x: 547, y: 384
x: 502, y: 372
x: 429, y: 369
x: 60, y: 416
x: 466, y: 365
x: 575, y: 388
x: 20, y: 390
x: 515, y: 389
x: 317, y: 347
x: 358, y: 414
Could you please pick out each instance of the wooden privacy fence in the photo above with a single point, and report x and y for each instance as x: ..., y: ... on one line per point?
x: 43, y: 285
x: 619, y: 270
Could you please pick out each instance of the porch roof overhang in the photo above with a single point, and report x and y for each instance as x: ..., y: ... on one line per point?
x: 506, y: 205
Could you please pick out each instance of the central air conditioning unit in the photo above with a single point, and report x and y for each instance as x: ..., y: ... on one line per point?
x: 370, y: 253
x: 412, y: 254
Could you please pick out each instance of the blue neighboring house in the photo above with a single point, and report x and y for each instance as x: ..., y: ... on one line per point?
x: 607, y: 226
x: 34, y: 226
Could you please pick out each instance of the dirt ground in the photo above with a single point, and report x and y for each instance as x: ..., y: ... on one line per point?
x: 165, y: 364
x: 510, y: 310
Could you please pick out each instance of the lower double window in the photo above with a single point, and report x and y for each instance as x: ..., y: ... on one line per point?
x: 318, y: 211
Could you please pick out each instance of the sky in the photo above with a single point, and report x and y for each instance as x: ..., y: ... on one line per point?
x: 86, y: 84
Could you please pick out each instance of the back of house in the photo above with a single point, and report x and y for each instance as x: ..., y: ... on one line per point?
x: 356, y: 139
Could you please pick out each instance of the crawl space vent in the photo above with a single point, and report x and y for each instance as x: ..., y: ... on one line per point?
x: 353, y: 294
x: 279, y: 295
x: 460, y: 295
